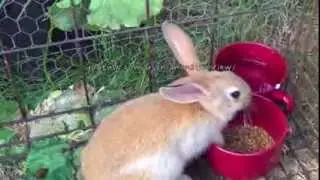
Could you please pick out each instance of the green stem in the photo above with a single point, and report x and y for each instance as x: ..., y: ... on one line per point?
x: 45, y: 60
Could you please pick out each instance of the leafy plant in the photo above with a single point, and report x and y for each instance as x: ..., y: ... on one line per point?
x: 101, y: 14
x: 8, y: 110
x: 6, y: 134
x: 50, y: 160
x: 113, y: 13
x: 13, y: 150
x: 65, y: 17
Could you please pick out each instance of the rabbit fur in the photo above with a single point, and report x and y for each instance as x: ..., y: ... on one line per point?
x: 154, y: 136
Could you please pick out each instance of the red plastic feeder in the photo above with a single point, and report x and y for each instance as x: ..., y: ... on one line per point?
x: 265, y: 70
x: 263, y: 67
x: 236, y: 166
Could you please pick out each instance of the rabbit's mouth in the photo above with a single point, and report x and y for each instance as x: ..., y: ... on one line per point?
x: 247, y: 102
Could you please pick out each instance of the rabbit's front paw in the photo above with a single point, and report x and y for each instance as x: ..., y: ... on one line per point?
x: 184, y: 177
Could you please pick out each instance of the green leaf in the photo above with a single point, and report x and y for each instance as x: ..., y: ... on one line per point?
x: 67, y: 3
x: 114, y: 13
x: 61, y: 15
x: 6, y: 134
x: 51, y: 155
x: 61, y: 173
x: 14, y: 150
x: 8, y: 110
x: 101, y: 14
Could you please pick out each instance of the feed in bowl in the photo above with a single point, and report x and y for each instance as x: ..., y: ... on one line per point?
x: 246, y: 139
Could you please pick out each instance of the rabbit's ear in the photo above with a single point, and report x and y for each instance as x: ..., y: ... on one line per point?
x: 183, y: 93
x: 182, y: 47
x: 180, y: 81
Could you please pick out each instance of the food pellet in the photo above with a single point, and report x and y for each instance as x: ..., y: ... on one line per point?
x: 246, y: 139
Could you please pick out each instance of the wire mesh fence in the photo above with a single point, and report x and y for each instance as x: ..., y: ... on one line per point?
x: 56, y: 86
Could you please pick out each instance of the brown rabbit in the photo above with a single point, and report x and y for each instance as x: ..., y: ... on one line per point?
x: 154, y: 136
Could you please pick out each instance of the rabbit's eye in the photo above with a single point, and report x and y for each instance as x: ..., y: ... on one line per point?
x: 235, y: 94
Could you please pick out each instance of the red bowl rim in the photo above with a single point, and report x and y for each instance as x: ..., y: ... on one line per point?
x: 255, y: 43
x: 257, y: 153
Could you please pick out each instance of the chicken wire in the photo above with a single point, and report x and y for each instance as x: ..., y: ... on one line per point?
x: 136, y: 61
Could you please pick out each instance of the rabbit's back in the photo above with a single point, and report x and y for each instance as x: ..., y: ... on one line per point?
x: 141, y: 127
